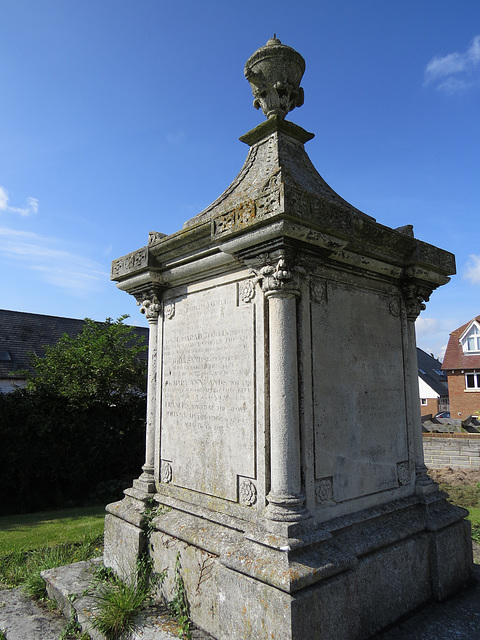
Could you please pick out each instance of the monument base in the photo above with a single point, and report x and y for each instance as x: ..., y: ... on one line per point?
x: 346, y: 578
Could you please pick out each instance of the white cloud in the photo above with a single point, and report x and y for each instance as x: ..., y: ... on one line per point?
x: 425, y: 326
x: 73, y: 273
x: 472, y: 269
x: 432, y: 335
x: 455, y: 72
x: 31, y: 208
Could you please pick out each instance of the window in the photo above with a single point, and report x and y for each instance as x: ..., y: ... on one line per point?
x: 438, y: 372
x: 5, y: 356
x: 471, y: 340
x: 423, y: 401
x: 472, y: 380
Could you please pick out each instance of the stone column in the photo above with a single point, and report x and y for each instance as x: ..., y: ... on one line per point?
x: 285, y: 500
x: 151, y: 307
x: 415, y: 297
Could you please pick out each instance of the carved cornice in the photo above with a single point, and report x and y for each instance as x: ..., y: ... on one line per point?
x: 130, y: 263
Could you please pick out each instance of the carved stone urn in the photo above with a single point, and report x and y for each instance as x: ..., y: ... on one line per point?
x: 274, y: 73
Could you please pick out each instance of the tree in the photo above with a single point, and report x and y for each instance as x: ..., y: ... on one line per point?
x: 76, y: 433
x: 100, y: 365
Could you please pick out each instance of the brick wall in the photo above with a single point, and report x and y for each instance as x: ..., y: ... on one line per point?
x: 430, y: 408
x: 461, y: 402
x: 451, y: 450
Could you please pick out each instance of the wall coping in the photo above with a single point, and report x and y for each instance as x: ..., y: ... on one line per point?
x: 462, y: 436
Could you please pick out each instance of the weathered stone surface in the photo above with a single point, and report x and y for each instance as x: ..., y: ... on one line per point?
x: 283, y: 428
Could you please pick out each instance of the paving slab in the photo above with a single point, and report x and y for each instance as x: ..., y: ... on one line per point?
x: 21, y: 618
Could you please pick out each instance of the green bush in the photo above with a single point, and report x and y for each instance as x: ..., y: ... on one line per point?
x: 77, y: 432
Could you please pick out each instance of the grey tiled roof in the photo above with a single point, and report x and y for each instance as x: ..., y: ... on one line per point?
x: 22, y: 334
x: 429, y: 370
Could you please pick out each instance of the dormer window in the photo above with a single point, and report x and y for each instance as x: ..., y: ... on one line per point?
x: 471, y: 340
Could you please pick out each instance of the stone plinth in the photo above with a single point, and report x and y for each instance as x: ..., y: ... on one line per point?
x: 284, y: 438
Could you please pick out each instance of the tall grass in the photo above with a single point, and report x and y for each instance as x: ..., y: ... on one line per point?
x: 23, y: 568
x: 32, y: 543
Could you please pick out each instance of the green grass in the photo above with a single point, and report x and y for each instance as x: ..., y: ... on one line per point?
x: 49, y: 528
x: 34, y: 542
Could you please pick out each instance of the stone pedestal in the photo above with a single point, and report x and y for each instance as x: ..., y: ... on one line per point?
x: 284, y: 450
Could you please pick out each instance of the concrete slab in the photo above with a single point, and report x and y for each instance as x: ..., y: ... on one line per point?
x: 23, y: 619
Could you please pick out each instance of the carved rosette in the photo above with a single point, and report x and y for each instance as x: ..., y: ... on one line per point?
x: 394, y: 308
x: 403, y: 473
x: 166, y: 472
x: 318, y: 291
x: 324, y: 491
x: 247, y: 492
x: 169, y: 310
x: 415, y: 296
x: 246, y: 290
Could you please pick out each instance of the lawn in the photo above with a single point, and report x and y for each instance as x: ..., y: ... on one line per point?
x: 49, y: 528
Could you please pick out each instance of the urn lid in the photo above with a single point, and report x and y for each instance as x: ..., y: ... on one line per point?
x: 274, y: 73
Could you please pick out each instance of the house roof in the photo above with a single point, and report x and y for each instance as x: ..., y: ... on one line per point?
x: 454, y: 356
x: 22, y: 334
x: 429, y: 370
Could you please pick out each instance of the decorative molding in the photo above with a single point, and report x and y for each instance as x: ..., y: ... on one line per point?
x: 155, y: 236
x: 246, y: 213
x: 324, y: 491
x: 130, y: 263
x: 169, y: 310
x: 247, y: 492
x: 403, y: 473
x: 246, y: 290
x: 166, y: 471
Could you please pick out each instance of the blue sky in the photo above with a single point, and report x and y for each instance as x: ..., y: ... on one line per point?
x: 120, y: 117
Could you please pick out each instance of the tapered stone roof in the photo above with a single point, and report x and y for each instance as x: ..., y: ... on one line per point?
x: 277, y: 158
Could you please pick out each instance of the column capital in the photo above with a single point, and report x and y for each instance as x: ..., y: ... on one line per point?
x: 415, y: 296
x: 279, y: 275
x: 149, y: 300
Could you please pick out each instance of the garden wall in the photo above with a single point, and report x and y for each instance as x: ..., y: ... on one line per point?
x: 456, y: 450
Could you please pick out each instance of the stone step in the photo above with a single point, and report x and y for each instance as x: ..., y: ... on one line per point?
x: 70, y: 587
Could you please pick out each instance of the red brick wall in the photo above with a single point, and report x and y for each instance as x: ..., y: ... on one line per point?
x: 430, y: 407
x: 461, y: 401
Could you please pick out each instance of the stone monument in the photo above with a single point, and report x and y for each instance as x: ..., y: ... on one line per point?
x: 284, y: 466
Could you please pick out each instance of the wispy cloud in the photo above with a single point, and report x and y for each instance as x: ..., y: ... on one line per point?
x: 457, y: 71
x: 31, y: 208
x: 432, y: 334
x: 472, y: 269
x: 69, y: 271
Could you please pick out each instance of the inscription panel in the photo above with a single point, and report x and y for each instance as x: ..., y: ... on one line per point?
x: 359, y: 392
x: 208, y: 397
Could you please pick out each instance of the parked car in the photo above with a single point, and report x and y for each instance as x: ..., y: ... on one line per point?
x: 443, y: 414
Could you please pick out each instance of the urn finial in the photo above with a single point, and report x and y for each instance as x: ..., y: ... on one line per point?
x: 274, y: 73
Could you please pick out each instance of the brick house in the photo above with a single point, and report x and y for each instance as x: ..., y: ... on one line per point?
x: 432, y: 385
x: 462, y: 366
x: 23, y: 334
